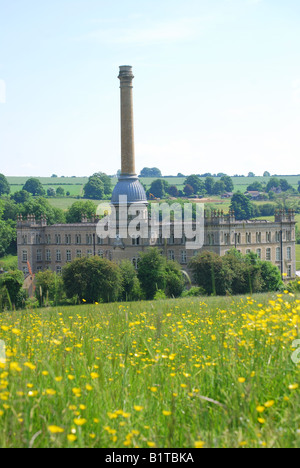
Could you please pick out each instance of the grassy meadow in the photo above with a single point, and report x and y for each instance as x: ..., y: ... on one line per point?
x: 75, y: 184
x: 193, y: 372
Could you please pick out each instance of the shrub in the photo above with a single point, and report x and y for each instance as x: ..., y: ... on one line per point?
x: 152, y: 272
x: 194, y: 291
x: 49, y: 287
x: 131, y: 290
x: 93, y: 279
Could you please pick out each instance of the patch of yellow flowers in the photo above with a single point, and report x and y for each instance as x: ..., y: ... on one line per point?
x: 137, y: 375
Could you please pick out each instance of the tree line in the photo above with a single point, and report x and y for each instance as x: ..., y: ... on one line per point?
x: 99, y: 280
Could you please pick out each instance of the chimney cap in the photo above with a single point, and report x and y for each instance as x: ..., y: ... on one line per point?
x: 125, y: 71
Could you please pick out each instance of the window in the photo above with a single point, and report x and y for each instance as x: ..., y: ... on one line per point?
x: 68, y: 239
x: 39, y: 268
x: 248, y: 237
x: 38, y: 239
x: 89, y: 253
x: 48, y: 238
x: 288, y: 235
x: 258, y: 252
x: 227, y: 239
x: 78, y: 254
x: 89, y: 239
x: 171, y: 255
x: 69, y: 255
x: 289, y: 271
x: 24, y: 240
x: 289, y: 253
x: 58, y: 256
x: 38, y: 255
x: 210, y: 239
x: 100, y: 253
x: 78, y: 239
x: 58, y: 270
x: 48, y: 255
x: 25, y: 270
x: 57, y: 239
x: 136, y: 240
x: 238, y: 238
x: 268, y: 237
x: 258, y: 237
x: 278, y: 254
x: 268, y: 255
x: 134, y: 263
x: 248, y: 251
x: 183, y: 256
x: 99, y: 240
x: 24, y: 256
x: 277, y: 236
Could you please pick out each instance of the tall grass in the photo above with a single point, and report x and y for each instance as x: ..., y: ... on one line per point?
x: 213, y: 372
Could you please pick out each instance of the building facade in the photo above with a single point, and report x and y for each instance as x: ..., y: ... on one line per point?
x: 42, y: 247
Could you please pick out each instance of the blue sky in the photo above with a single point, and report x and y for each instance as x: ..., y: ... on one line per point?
x: 216, y: 88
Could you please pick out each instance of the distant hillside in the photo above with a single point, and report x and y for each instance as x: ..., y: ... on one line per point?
x: 75, y: 185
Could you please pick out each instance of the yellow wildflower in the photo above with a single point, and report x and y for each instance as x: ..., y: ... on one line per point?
x: 79, y: 421
x: 138, y: 408
x: 199, y: 444
x: 55, y: 429
x: 269, y: 403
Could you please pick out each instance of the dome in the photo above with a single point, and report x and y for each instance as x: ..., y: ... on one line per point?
x: 131, y: 187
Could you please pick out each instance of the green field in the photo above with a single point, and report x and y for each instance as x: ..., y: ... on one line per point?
x: 210, y: 372
x: 75, y: 184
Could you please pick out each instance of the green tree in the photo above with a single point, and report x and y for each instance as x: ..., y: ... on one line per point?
x: 188, y: 190
x: 173, y: 191
x: 242, y: 206
x: 4, y: 185
x: 78, y: 209
x: 150, y: 172
x: 174, y: 279
x: 158, y: 188
x: 34, y: 187
x: 152, y: 272
x: 51, y: 192
x: 131, y: 290
x: 271, y: 277
x: 7, y: 237
x: 274, y: 182
x: 245, y: 275
x: 60, y: 192
x: 11, y: 283
x: 209, y: 185
x: 106, y: 182
x: 255, y: 186
x: 209, y: 273
x: 284, y: 185
x: 94, y: 188
x: 229, y: 186
x: 49, y: 287
x: 93, y: 279
x: 219, y: 187
x: 22, y: 196
x: 40, y: 206
x: 195, y: 182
